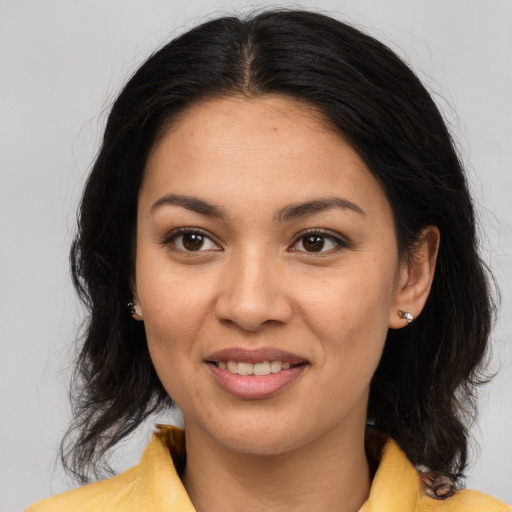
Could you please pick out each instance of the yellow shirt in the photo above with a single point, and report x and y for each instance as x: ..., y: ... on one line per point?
x: 154, y: 486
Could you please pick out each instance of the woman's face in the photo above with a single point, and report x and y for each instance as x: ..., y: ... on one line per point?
x: 266, y: 273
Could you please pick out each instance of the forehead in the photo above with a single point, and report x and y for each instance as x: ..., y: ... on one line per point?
x: 273, y: 106
x: 211, y: 120
x: 263, y: 148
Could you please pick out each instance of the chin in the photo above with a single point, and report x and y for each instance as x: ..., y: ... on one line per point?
x: 264, y: 444
x: 259, y: 435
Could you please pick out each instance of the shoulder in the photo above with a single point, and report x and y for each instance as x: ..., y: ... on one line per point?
x: 152, y: 485
x: 398, y: 487
x: 93, y: 497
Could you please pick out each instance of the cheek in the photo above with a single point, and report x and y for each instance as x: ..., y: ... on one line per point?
x: 349, y: 316
x: 176, y: 308
x: 172, y: 321
x: 173, y: 299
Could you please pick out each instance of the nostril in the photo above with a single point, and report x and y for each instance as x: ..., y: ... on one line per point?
x: 252, y: 311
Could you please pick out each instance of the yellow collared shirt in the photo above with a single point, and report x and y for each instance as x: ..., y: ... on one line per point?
x: 154, y: 486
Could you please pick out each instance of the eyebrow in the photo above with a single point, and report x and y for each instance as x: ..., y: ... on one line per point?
x: 193, y: 204
x: 289, y: 212
x: 295, y: 211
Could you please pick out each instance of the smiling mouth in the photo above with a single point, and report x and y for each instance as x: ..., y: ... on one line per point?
x: 255, y: 374
x: 257, y: 369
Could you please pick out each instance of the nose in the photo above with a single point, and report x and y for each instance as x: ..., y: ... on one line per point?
x: 253, y: 293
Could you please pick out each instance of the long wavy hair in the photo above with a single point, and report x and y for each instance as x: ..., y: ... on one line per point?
x: 422, y: 393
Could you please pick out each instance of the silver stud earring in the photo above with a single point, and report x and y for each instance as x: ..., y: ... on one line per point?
x: 131, y: 308
x: 405, y: 315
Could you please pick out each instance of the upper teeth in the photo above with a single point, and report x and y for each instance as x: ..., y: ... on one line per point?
x: 264, y: 368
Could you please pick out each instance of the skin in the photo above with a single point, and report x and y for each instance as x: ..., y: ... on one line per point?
x: 254, y: 284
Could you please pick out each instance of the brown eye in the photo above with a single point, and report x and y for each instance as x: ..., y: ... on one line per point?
x: 313, y: 243
x: 192, y: 241
x: 319, y: 242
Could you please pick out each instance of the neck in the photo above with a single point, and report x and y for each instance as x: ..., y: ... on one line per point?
x: 330, y: 473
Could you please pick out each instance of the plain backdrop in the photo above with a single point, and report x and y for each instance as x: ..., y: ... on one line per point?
x: 61, y: 64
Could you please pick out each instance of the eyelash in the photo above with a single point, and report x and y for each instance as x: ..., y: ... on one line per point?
x: 339, y: 244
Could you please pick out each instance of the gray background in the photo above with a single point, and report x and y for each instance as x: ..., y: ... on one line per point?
x: 61, y: 64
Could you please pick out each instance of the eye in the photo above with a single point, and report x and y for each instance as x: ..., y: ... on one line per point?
x: 190, y: 240
x: 318, y: 242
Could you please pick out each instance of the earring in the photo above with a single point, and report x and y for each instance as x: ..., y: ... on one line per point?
x: 133, y: 311
x: 405, y: 315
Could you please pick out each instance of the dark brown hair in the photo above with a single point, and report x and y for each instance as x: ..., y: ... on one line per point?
x: 422, y: 392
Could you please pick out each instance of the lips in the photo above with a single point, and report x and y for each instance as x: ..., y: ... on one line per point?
x: 255, y: 374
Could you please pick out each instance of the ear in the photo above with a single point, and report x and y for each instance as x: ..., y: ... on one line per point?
x: 415, y: 278
x: 134, y: 305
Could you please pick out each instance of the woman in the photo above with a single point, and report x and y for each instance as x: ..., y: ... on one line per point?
x: 277, y: 237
